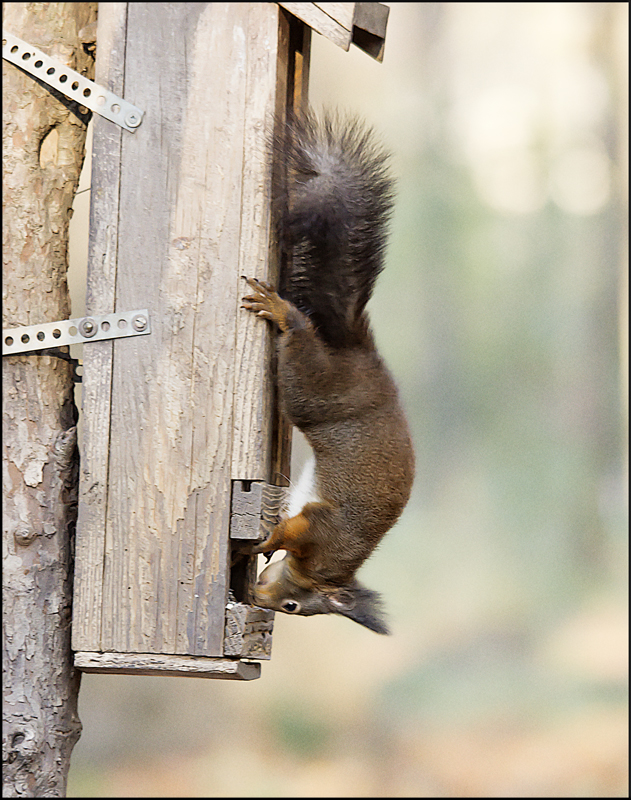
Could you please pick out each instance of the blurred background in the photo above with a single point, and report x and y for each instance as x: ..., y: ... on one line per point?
x: 502, y: 312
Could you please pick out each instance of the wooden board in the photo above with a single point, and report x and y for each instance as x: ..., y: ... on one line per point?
x: 174, y: 666
x: 179, y: 213
x: 338, y: 31
x: 362, y: 24
x: 97, y: 362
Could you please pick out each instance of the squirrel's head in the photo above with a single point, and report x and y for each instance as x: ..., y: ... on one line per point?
x: 282, y: 588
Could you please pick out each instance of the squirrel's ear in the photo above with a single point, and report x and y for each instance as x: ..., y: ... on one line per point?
x: 361, y: 605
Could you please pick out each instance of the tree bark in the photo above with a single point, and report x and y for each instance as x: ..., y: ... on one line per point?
x: 43, y: 151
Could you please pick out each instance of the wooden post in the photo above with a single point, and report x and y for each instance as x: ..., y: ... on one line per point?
x: 180, y: 210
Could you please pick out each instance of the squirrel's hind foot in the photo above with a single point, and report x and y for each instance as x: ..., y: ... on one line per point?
x: 266, y: 303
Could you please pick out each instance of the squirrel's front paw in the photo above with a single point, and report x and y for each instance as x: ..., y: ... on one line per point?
x: 266, y: 303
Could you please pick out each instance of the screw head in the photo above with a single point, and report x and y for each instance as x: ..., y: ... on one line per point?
x: 133, y: 119
x: 87, y: 327
x: 139, y: 322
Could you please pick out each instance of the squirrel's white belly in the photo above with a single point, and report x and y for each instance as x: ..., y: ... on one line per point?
x: 304, y: 490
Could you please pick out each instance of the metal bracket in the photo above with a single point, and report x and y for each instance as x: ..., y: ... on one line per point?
x: 75, y: 331
x: 71, y: 83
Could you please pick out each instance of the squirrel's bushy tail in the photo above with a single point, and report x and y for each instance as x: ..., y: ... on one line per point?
x: 333, y: 220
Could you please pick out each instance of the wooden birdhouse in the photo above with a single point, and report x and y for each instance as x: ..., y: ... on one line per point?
x: 184, y: 455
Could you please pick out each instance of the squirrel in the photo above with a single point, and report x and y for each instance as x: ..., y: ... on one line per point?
x: 333, y: 384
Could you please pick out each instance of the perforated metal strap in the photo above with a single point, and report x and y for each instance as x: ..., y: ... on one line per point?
x: 71, y: 83
x: 75, y: 331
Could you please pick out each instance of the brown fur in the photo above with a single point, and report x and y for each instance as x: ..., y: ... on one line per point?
x: 345, y: 402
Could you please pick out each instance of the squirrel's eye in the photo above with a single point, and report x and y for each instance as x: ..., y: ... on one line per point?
x: 290, y: 606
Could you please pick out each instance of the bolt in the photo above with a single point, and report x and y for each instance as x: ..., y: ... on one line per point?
x: 87, y: 327
x: 139, y: 323
x: 133, y: 119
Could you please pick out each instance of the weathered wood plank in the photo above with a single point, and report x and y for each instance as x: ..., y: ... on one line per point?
x: 343, y: 13
x: 255, y: 509
x: 369, y: 28
x: 97, y: 357
x: 363, y: 24
x: 253, y: 395
x: 248, y: 631
x: 323, y: 23
x: 174, y: 666
x: 152, y: 411
x: 372, y: 18
x: 221, y: 38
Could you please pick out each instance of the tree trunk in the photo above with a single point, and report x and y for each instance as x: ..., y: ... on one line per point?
x: 43, y: 150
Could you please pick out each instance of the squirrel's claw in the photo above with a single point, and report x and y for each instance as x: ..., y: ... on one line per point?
x: 266, y: 303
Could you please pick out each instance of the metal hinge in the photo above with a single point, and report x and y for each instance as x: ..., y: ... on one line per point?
x: 30, y: 338
x: 74, y: 85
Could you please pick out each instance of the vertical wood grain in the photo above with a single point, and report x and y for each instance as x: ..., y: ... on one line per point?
x: 217, y: 108
x: 180, y: 211
x: 97, y: 357
x: 253, y: 397
x: 152, y: 414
